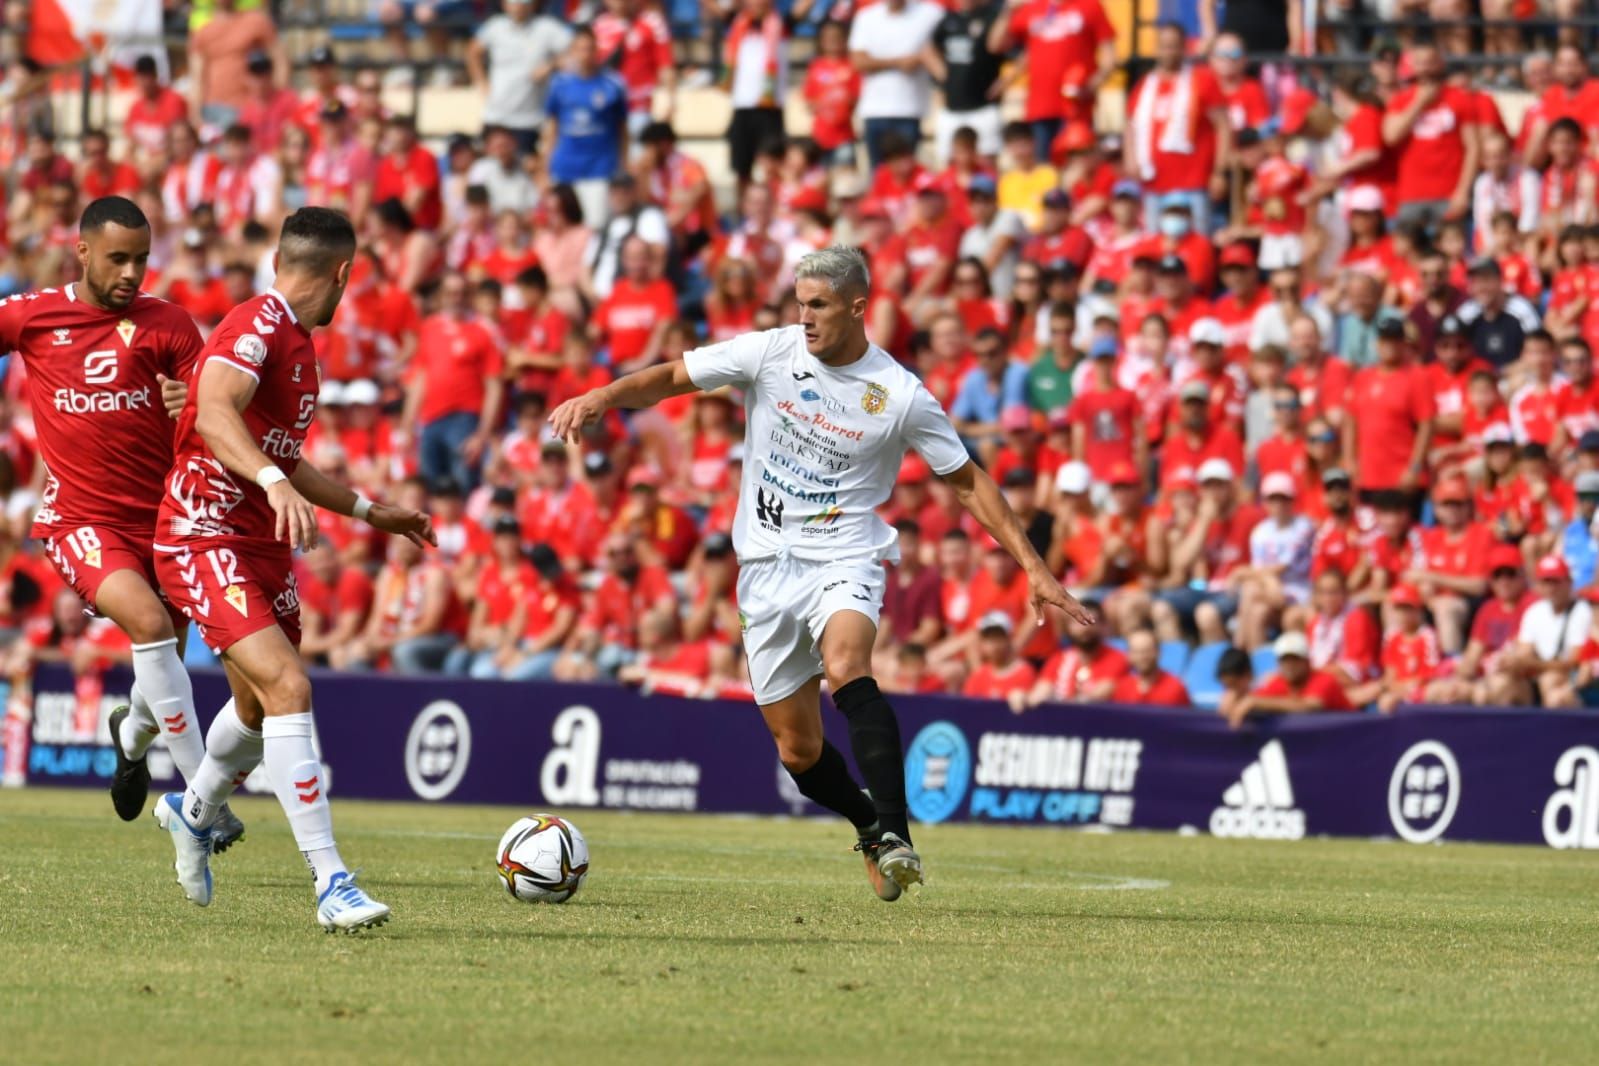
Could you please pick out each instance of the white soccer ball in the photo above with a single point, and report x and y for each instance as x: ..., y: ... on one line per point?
x: 543, y: 859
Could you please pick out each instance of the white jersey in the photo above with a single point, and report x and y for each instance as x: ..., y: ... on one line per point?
x: 822, y: 445
x: 1286, y: 546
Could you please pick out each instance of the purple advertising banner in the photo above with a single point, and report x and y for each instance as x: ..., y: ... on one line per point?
x: 1515, y: 776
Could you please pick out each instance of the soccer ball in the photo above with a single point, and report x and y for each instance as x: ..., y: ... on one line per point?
x: 543, y: 859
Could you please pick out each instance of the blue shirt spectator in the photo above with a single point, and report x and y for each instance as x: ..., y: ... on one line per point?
x: 1577, y: 544
x: 995, y: 383
x: 588, y: 109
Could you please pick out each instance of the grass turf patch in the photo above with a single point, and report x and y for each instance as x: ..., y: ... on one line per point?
x: 701, y: 939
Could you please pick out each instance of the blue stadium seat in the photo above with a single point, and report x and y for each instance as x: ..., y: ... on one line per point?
x: 1174, y: 656
x: 1199, y: 675
x: 1264, y: 661
x: 1118, y: 643
x: 195, y: 652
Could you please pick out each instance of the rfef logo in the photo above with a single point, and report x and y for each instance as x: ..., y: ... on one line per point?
x: 1424, y: 792
x: 437, y: 750
x: 1260, y: 805
x: 938, y: 768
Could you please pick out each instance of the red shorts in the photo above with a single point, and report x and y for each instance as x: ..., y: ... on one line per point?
x: 230, y: 594
x: 85, y: 556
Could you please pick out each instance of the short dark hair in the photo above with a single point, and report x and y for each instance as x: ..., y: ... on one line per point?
x: 1565, y: 124
x: 94, y: 133
x: 1235, y: 662
x: 314, y: 239
x: 533, y: 278
x: 116, y: 210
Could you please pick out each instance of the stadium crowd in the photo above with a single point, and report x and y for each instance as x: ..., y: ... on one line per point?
x: 1282, y: 372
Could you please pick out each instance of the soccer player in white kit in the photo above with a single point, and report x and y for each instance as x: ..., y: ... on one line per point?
x: 828, y: 419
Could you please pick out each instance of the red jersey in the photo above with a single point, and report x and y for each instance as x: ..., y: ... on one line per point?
x: 1319, y: 686
x: 1449, y: 391
x: 1411, y: 656
x: 1278, y: 454
x: 1246, y: 103
x: 351, y: 591
x: 1431, y: 157
x: 1323, y: 389
x: 453, y: 359
x: 563, y: 518
x: 989, y: 682
x: 1464, y: 554
x: 832, y: 88
x: 206, y: 501
x: 638, y: 49
x: 618, y: 605
x: 1174, y: 171
x: 1392, y: 405
x: 1348, y: 642
x: 628, y: 316
x: 1337, y: 547
x: 1183, y: 454
x: 1062, y: 39
x: 1535, y: 412
x: 1162, y: 690
x: 1110, y: 419
x: 147, y: 121
x: 1579, y: 408
x: 399, y: 179
x: 1070, y: 671
x: 1276, y: 207
x: 500, y: 591
x: 929, y: 246
x: 1237, y: 318
x: 91, y: 375
x: 1363, y: 132
x: 118, y: 179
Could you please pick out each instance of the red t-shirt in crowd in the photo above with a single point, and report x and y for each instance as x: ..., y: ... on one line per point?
x: 147, y: 121
x: 832, y: 88
x: 618, y: 605
x: 1392, y: 405
x: 1349, y: 641
x: 1070, y: 672
x: 1411, y: 656
x: 630, y: 314
x: 1110, y: 418
x: 1062, y: 38
x: 1162, y: 690
x: 990, y: 682
x: 1323, y: 389
x: 1319, y: 686
x: 1462, y: 555
x: 1181, y: 170
x: 638, y: 49
x: 400, y: 178
x: 453, y: 358
x: 1431, y: 157
x: 350, y: 591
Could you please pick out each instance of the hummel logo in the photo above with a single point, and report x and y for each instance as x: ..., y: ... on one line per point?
x: 176, y: 724
x: 805, y: 376
x: 308, y: 790
x: 1261, y: 803
x: 63, y: 337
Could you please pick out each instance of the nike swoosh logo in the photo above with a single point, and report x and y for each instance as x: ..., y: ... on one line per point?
x: 802, y: 377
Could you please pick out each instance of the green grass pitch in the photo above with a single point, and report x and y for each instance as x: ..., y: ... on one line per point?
x: 703, y: 939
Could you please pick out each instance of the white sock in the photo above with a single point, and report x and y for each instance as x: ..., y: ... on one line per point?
x: 297, y: 779
x: 138, y: 728
x: 160, y: 679
x: 231, y: 752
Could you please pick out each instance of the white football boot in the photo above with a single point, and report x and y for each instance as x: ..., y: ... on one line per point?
x: 344, y: 907
x: 193, y: 847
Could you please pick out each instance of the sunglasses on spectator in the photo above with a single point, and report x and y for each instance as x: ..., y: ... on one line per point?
x: 1230, y: 53
x: 1278, y: 497
x: 1324, y: 438
x: 1286, y: 405
x: 1505, y: 572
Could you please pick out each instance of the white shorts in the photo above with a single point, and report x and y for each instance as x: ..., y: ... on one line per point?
x: 985, y: 122
x: 784, y: 605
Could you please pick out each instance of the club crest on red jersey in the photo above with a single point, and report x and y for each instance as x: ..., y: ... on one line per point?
x: 251, y: 349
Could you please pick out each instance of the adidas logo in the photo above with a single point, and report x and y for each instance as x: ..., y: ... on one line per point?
x: 1260, y: 805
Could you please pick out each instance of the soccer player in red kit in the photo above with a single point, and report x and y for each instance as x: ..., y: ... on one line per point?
x: 98, y: 353
x: 238, y: 501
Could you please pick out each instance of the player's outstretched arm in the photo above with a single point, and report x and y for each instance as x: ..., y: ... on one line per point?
x: 329, y: 495
x: 979, y: 495
x: 642, y: 389
x: 223, y: 392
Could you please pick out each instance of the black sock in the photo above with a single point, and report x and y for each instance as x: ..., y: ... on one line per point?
x: 874, y: 738
x: 830, y: 785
